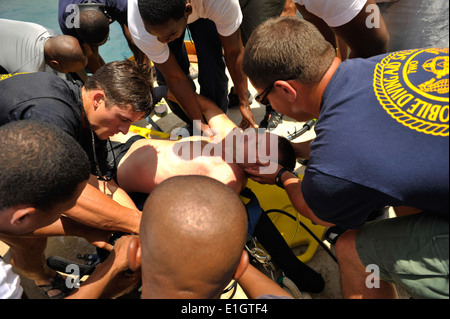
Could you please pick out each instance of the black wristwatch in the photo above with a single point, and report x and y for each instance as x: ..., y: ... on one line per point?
x: 278, y: 181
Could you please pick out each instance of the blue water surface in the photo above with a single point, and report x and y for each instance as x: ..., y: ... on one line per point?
x: 45, y: 13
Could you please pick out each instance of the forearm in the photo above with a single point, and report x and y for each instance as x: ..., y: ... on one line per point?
x: 68, y: 227
x: 95, y: 61
x: 292, y: 185
x: 112, y: 190
x: 234, y: 64
x: 184, y: 94
x: 234, y: 53
x: 255, y: 284
x: 97, y: 210
x: 180, y: 87
x: 218, y: 121
x: 139, y: 56
x: 240, y: 81
x: 95, y: 285
x: 110, y: 278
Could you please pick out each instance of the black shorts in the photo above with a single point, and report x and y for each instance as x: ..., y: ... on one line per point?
x: 120, y: 149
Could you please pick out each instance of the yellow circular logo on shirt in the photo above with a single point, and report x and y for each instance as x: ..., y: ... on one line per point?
x: 413, y: 87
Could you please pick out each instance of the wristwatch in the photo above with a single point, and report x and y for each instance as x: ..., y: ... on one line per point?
x: 278, y: 181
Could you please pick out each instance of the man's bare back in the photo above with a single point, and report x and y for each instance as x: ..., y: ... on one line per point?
x: 148, y: 162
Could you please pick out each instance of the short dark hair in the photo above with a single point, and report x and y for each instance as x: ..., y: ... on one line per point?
x: 287, y: 48
x: 124, y: 83
x: 94, y: 27
x: 40, y: 165
x: 156, y: 12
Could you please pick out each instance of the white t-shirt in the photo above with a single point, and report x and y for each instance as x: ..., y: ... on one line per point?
x: 10, y: 287
x: 226, y: 14
x: 334, y: 12
x: 22, y: 45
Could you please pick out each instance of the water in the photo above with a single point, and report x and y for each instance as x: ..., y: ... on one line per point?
x: 45, y: 13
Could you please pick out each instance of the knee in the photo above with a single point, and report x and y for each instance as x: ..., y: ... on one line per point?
x: 345, y: 246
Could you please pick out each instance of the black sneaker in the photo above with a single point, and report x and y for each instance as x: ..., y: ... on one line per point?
x: 233, y: 99
x: 271, y: 119
x: 275, y: 118
x: 332, y: 234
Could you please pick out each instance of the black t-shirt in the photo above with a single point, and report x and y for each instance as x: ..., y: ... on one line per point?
x: 46, y: 97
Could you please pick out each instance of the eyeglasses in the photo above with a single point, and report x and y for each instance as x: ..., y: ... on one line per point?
x: 262, y: 98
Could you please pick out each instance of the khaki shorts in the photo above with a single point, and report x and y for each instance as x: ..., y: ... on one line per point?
x: 411, y: 251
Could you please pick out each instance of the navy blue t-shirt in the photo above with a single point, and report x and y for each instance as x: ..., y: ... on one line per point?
x: 46, y: 97
x: 382, y: 138
x: 41, y: 96
x: 116, y: 10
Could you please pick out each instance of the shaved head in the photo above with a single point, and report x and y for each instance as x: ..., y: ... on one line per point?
x: 67, y: 52
x: 193, y: 232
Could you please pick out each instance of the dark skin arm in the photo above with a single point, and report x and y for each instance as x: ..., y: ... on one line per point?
x: 321, y: 25
x: 110, y: 279
x: 234, y: 51
x: 95, y: 61
x: 363, y: 41
x: 139, y: 56
x: 181, y: 88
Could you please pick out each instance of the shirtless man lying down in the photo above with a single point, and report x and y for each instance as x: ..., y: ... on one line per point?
x: 145, y: 163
